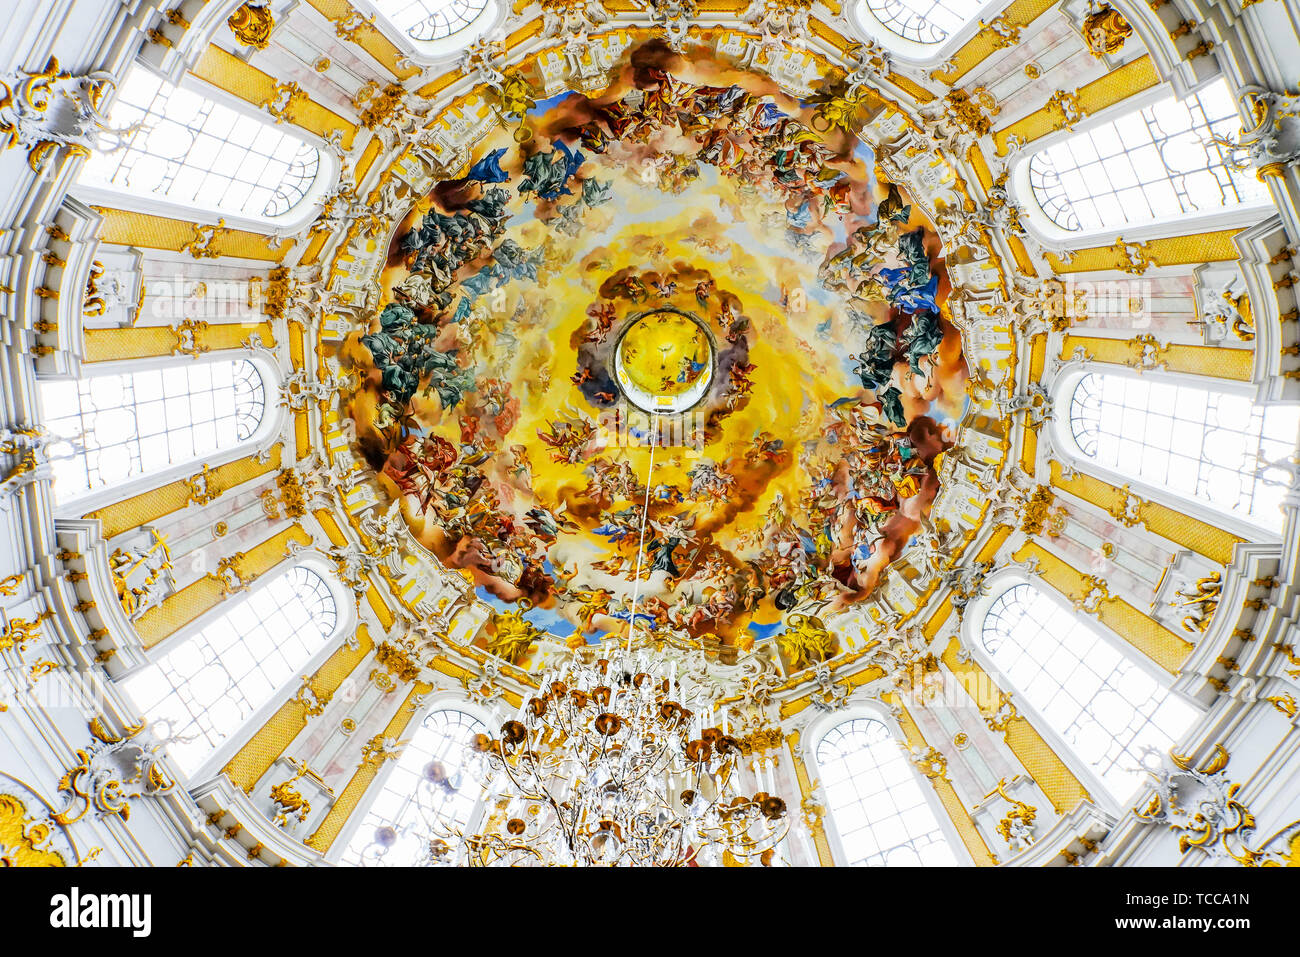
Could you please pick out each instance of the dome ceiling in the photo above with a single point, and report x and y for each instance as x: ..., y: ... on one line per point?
x: 694, y: 241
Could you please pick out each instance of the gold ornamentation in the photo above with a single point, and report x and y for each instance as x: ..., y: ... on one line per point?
x: 202, y: 489
x: 156, y: 562
x: 229, y: 576
x: 1285, y: 703
x: 930, y: 762
x: 93, y: 303
x: 23, y: 838
x: 112, y: 771
x: 397, y: 662
x: 187, y: 338
x: 1017, y: 827
x: 289, y: 801
x: 1105, y: 30
x: 9, y: 584
x: 26, y: 118
x: 350, y: 24
x: 1067, y: 105
x: 252, y: 25
x: 1095, y: 591
x: 1203, y: 602
x: 1150, y: 355
x: 974, y: 109
x: 806, y: 641
x: 312, y: 699
x: 283, y: 103
x: 203, y: 244
x: 1201, y: 804
x: 18, y: 633
x: 1002, y: 714
x: 514, y: 636
x: 1038, y: 513
x: 376, y: 105
x: 380, y: 749
x: 1033, y: 71
x: 1004, y: 33
x: 1128, y: 510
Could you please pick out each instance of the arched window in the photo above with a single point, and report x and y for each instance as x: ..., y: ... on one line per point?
x: 924, y: 21
x: 1100, y: 701
x: 1152, y: 164
x: 875, y: 799
x: 430, y: 781
x: 1200, y: 443
x: 108, y: 428
x: 190, y: 150
x: 431, y: 19
x: 202, y: 690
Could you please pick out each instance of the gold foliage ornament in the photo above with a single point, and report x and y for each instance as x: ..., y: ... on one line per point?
x: 26, y: 841
x: 252, y: 24
x: 1105, y: 30
x: 112, y: 771
x: 806, y: 641
x: 514, y: 635
x: 1203, y: 807
x: 53, y: 114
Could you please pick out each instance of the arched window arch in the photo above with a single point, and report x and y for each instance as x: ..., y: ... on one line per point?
x: 429, y: 20
x: 187, y: 149
x: 1152, y: 164
x: 924, y: 21
x: 204, y: 689
x: 1101, y: 702
x: 1202, y: 444
x: 395, y: 829
x: 875, y: 799
x: 116, y: 426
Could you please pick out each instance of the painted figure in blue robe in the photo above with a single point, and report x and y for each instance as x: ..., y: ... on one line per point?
x: 547, y: 174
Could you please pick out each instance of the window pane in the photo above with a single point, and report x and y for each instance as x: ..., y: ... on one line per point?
x: 109, y: 428
x: 875, y: 799
x: 1153, y: 164
x: 1196, y: 442
x: 205, y: 688
x: 924, y: 21
x: 409, y: 798
x: 431, y: 19
x: 1105, y: 706
x: 187, y: 149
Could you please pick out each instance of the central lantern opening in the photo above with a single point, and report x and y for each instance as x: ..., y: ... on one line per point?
x: 664, y: 361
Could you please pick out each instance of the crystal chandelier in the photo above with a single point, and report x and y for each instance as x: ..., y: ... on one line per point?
x: 615, y: 762
x: 606, y: 766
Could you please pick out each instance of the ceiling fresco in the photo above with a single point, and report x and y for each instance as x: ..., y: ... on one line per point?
x: 687, y: 299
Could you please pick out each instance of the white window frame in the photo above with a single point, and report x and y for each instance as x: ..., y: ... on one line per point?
x: 439, y: 701
x: 304, y: 212
x: 430, y: 51
x: 345, y: 624
x: 871, y: 27
x: 1061, y: 438
x: 274, y: 418
x: 1046, y: 231
x: 810, y: 741
x: 971, y: 637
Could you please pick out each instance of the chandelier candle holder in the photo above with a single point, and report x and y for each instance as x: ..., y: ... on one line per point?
x: 610, y: 765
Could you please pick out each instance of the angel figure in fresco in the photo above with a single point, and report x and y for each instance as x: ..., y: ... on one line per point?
x: 592, y: 602
x: 875, y: 364
x: 921, y: 340
x: 708, y: 481
x: 548, y: 174
x: 567, y: 438
x: 602, y: 315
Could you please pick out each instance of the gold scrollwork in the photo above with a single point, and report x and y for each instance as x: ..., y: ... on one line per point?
x: 252, y: 24
x: 1105, y: 30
